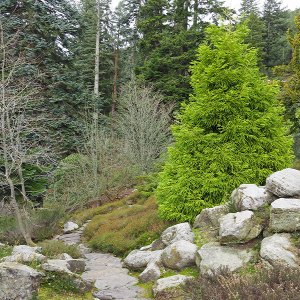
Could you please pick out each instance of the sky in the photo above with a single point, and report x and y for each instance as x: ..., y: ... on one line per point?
x: 290, y: 4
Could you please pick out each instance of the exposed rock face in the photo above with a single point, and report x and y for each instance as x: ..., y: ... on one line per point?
x: 251, y: 197
x: 18, y: 282
x: 170, y: 287
x: 208, y: 219
x: 285, y: 215
x: 277, y: 250
x: 179, y: 255
x: 285, y: 183
x: 213, y: 257
x: 138, y: 259
x: 25, y: 254
x: 182, y: 231
x: 239, y: 227
x: 70, y: 226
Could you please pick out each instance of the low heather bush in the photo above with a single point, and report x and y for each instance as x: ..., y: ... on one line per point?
x: 264, y: 284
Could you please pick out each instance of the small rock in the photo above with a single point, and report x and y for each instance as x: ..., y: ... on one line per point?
x: 138, y: 259
x: 213, y: 257
x: 70, y: 226
x: 239, y: 227
x: 76, y: 265
x: 251, y: 197
x: 83, y: 285
x: 170, y: 287
x: 182, y: 231
x: 151, y: 273
x: 25, y: 254
x: 179, y: 255
x: 285, y: 183
x: 209, y: 217
x: 146, y: 248
x: 65, y: 256
x: 285, y: 215
x: 278, y: 250
x: 57, y: 265
x: 18, y: 282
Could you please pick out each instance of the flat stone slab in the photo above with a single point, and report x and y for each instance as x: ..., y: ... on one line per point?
x: 285, y: 215
x: 110, y: 277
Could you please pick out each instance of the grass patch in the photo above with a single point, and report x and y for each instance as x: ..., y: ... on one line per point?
x: 5, y: 251
x: 120, y: 227
x: 47, y: 293
x: 61, y: 286
x: 53, y: 248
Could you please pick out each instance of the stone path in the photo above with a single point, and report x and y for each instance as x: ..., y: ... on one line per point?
x: 111, y: 280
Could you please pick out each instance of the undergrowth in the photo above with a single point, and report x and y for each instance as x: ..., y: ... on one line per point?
x: 53, y: 248
x: 124, y: 225
x: 5, y: 251
x: 259, y: 284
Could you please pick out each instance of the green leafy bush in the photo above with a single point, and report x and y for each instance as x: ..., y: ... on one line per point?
x: 231, y: 132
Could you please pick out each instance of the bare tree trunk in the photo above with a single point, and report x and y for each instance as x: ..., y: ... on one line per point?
x: 97, y: 52
x: 7, y: 134
x: 116, y: 75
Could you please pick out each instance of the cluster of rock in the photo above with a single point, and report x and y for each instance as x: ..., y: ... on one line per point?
x: 265, y: 219
x: 19, y: 281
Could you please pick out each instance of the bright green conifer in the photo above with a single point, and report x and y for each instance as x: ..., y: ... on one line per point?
x: 231, y: 131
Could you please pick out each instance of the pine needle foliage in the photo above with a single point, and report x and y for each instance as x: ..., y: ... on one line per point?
x: 231, y: 132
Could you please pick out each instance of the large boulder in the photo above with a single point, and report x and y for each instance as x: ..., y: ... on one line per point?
x: 25, y: 254
x: 285, y: 215
x: 285, y: 183
x: 179, y: 255
x: 278, y: 250
x: 182, y: 231
x: 239, y: 227
x: 212, y: 258
x: 137, y: 259
x: 18, y: 282
x: 70, y: 226
x: 208, y: 219
x: 251, y: 197
x: 170, y: 287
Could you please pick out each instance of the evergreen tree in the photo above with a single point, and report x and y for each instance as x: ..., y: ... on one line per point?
x: 230, y: 133
x: 47, y: 36
x: 168, y: 44
x: 276, y: 49
x: 291, y: 89
x: 250, y: 14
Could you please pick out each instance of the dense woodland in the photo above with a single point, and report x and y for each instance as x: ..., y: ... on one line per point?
x: 89, y: 94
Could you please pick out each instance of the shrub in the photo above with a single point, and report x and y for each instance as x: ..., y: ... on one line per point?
x: 53, y: 248
x: 5, y: 251
x: 125, y: 227
x: 231, y: 132
x: 264, y: 284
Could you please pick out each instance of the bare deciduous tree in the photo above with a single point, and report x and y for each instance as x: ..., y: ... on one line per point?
x: 16, y: 147
x: 143, y: 121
